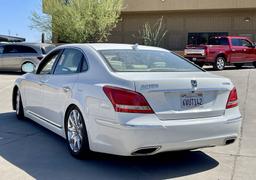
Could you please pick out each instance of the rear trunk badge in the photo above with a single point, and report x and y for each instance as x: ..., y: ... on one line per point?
x: 194, y: 85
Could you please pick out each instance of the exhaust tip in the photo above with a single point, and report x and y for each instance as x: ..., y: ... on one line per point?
x: 230, y: 141
x: 146, y: 151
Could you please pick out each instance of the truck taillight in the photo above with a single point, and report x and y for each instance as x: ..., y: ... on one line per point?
x: 205, y: 51
x: 124, y: 100
x: 232, y: 99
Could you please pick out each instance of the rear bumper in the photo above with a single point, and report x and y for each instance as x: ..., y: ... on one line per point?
x: 199, y: 59
x: 164, y: 136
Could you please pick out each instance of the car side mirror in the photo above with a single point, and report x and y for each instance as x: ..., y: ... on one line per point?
x: 28, y: 67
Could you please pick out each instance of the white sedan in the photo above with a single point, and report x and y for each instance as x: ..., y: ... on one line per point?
x: 127, y: 100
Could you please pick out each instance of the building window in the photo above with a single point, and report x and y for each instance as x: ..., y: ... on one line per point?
x: 198, y: 38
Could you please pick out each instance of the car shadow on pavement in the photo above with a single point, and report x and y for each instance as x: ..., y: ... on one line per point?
x: 44, y: 155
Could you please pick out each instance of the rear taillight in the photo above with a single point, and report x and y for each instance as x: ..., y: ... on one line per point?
x: 127, y: 101
x: 232, y: 99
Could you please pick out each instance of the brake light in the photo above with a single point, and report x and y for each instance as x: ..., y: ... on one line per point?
x: 124, y: 100
x: 232, y: 99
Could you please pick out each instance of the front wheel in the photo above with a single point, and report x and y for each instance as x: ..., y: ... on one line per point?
x: 219, y: 63
x: 76, y: 134
x: 19, y: 106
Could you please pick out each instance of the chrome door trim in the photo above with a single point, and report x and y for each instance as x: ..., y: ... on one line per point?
x: 44, y: 119
x: 186, y: 90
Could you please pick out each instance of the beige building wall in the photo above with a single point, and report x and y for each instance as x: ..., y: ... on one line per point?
x: 180, y: 23
x: 181, y: 5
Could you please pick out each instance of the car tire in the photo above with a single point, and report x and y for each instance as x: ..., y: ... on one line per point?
x: 219, y: 63
x: 19, y: 105
x: 76, y: 134
x: 239, y: 65
x: 254, y: 64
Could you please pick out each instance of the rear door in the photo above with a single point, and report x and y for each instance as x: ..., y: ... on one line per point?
x: 184, y: 96
x: 26, y: 53
x: 10, y: 57
x: 58, y: 87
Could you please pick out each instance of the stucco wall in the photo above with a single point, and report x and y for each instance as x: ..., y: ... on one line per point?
x: 172, y: 5
x: 179, y: 24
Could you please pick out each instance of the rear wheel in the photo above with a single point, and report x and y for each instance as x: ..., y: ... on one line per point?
x: 238, y: 65
x: 76, y: 134
x: 19, y: 106
x: 219, y: 63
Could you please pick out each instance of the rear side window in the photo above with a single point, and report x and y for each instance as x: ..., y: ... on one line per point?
x: 69, y: 62
x: 18, y: 49
x: 236, y: 42
x: 125, y: 60
x: 10, y: 49
x: 218, y: 41
x: 26, y: 49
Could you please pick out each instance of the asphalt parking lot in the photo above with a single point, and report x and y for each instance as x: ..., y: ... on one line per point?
x: 29, y: 151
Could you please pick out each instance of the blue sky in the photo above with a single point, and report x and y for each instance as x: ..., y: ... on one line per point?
x: 15, y: 18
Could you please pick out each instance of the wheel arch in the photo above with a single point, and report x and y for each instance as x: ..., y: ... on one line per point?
x: 70, y: 106
x: 222, y: 55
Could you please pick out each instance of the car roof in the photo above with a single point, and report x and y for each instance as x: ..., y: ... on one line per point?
x: 112, y: 46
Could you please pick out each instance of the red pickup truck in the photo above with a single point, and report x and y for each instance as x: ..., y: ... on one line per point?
x: 221, y: 51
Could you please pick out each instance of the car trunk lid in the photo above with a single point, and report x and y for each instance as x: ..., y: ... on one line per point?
x: 177, y: 95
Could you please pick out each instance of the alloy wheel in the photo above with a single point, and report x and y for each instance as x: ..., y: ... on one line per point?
x: 18, y: 102
x: 220, y: 63
x: 75, y: 130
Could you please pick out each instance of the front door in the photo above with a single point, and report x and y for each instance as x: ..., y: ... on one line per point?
x: 238, y: 52
x: 34, y: 87
x: 249, y: 50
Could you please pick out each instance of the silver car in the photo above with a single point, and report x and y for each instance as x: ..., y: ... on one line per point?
x: 13, y: 56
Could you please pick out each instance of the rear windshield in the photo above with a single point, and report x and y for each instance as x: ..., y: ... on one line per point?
x: 46, y: 49
x: 146, y: 61
x: 218, y: 41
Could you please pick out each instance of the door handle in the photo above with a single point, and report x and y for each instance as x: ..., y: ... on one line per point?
x: 245, y: 49
x: 66, y: 89
x: 233, y: 50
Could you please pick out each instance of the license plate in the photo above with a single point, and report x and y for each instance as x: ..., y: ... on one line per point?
x: 189, y: 101
x: 194, y: 59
